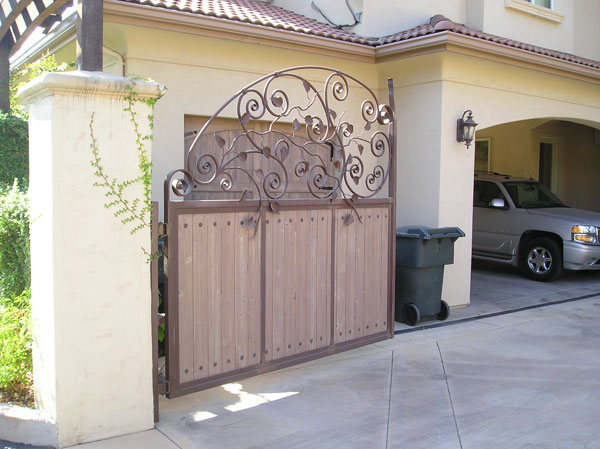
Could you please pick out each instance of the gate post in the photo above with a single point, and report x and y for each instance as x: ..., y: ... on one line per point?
x: 91, y: 300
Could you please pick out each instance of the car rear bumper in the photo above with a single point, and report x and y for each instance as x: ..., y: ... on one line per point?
x: 577, y: 256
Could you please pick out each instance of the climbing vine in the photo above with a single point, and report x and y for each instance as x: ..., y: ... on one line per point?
x: 136, y: 212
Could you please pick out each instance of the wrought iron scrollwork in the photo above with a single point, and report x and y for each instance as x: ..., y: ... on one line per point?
x: 359, y: 138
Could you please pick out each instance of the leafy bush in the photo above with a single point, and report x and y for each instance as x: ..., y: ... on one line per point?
x: 14, y: 148
x: 15, y: 273
x: 16, y: 367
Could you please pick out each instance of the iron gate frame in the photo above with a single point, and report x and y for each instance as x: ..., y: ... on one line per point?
x: 180, y: 182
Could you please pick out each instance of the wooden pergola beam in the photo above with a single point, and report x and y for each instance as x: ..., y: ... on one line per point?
x: 90, y: 35
x: 5, y: 44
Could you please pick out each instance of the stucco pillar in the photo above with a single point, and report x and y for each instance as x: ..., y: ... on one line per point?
x: 90, y: 279
x: 435, y: 172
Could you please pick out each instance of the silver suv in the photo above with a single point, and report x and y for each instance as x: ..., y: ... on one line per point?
x: 521, y: 222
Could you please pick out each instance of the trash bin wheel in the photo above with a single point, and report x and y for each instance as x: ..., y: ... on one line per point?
x: 444, y: 311
x: 410, y: 314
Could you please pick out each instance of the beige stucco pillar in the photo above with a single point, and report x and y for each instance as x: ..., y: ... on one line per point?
x: 435, y: 172
x: 90, y: 278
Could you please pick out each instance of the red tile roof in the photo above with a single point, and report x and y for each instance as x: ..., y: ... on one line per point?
x: 267, y: 15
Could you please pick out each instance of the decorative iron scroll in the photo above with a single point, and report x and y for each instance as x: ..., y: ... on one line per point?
x: 359, y: 139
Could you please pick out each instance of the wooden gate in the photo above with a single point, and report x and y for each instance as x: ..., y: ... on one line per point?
x: 299, y: 263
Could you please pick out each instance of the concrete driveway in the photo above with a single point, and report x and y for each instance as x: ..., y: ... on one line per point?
x: 524, y: 380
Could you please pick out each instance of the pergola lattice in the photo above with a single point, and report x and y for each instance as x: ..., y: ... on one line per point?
x: 19, y: 18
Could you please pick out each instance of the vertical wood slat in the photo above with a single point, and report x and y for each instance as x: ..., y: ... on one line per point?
x: 254, y: 296
x: 351, y: 294
x: 201, y: 314
x: 269, y: 287
x: 242, y: 291
x: 383, y: 264
x: 323, y: 278
x: 311, y: 281
x: 228, y: 289
x: 302, y: 247
x: 340, y: 276
x: 359, y: 275
x: 290, y: 273
x: 368, y: 324
x: 376, y: 269
x: 214, y: 294
x: 186, y: 298
x: 278, y: 286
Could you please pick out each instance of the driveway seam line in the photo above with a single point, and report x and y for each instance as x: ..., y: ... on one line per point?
x: 449, y: 395
x: 387, y: 432
x: 168, y: 438
x: 491, y: 315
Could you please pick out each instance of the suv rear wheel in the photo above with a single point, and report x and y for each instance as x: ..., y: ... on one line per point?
x: 541, y: 259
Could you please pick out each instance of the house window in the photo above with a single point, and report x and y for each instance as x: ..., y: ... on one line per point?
x: 544, y: 3
x: 482, y: 155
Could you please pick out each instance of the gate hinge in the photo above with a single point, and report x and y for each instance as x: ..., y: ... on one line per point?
x: 162, y: 229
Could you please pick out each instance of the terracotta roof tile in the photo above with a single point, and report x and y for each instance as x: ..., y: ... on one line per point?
x: 267, y: 15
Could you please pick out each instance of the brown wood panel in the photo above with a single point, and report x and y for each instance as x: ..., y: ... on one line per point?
x: 302, y: 247
x: 323, y: 279
x: 278, y: 285
x: 214, y: 293
x: 383, y: 264
x: 340, y: 285
x: 201, y: 321
x: 290, y: 274
x: 186, y: 298
x: 269, y: 257
x: 242, y: 287
x: 368, y: 324
x: 254, y: 297
x: 359, y: 274
x: 228, y: 289
x: 311, y: 281
x: 351, y: 296
x: 375, y: 270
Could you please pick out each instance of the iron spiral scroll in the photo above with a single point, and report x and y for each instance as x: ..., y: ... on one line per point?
x: 361, y: 141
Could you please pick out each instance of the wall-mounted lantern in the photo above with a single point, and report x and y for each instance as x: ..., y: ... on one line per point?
x: 465, y: 129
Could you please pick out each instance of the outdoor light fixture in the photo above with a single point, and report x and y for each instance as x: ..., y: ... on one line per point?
x: 465, y: 129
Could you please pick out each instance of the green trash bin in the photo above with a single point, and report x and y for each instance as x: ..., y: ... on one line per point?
x: 421, y: 254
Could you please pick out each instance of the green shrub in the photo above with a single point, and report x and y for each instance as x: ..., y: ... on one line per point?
x: 14, y: 149
x: 15, y: 273
x: 16, y: 368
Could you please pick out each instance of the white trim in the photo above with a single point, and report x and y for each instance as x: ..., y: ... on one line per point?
x: 535, y: 10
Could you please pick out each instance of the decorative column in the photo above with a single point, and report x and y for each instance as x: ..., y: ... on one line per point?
x: 90, y: 278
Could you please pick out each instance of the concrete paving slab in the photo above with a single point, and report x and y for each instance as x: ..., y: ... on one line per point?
x: 151, y: 439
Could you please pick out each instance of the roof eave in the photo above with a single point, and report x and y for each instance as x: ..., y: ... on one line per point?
x: 472, y: 46
x: 170, y: 20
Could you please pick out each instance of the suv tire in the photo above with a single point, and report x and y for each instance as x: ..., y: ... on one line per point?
x: 541, y: 259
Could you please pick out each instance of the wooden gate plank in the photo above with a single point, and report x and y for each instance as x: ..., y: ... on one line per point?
x: 186, y: 298
x: 351, y: 297
x: 201, y: 324
x: 340, y: 275
x: 241, y: 282
x: 383, y: 264
x: 359, y: 275
x: 302, y: 247
x: 278, y: 286
x: 269, y: 286
x: 311, y: 282
x: 290, y: 283
x: 214, y: 294
x: 368, y: 324
x: 376, y: 271
x: 254, y: 297
x: 323, y: 278
x: 228, y: 289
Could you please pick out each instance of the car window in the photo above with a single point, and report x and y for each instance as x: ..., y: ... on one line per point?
x: 484, y: 192
x: 531, y: 195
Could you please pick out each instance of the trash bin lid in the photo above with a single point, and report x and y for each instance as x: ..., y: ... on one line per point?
x: 426, y: 233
